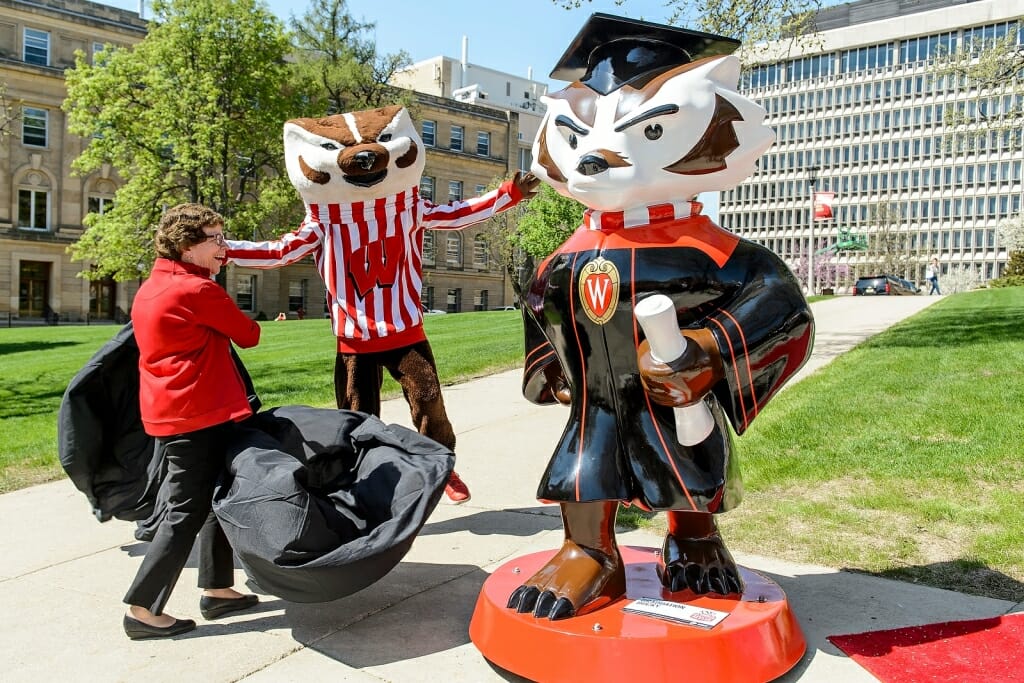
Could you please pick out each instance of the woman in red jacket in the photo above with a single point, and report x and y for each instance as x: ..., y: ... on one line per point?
x: 190, y: 395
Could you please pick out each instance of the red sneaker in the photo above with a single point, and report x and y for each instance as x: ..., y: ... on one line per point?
x: 456, y: 490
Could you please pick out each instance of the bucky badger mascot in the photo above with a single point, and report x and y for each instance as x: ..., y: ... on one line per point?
x: 358, y: 174
x: 651, y: 120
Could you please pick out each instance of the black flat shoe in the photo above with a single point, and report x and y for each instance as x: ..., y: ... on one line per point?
x: 212, y: 608
x: 140, y: 630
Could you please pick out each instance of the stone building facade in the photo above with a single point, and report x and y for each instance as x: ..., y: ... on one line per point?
x: 43, y: 203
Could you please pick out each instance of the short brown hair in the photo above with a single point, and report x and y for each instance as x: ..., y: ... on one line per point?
x: 181, y: 227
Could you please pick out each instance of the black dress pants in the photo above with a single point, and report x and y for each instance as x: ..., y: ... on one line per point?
x: 195, y: 461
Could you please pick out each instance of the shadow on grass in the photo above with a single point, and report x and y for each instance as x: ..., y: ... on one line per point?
x: 959, y: 324
x: 29, y: 346
x: 963, y: 576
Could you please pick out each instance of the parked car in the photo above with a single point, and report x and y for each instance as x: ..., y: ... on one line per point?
x: 884, y: 284
x: 507, y: 308
x: 432, y: 311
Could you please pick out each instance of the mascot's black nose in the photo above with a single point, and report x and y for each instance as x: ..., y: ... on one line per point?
x: 592, y: 164
x: 366, y: 159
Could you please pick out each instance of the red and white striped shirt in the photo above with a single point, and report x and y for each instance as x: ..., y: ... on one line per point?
x: 370, y: 256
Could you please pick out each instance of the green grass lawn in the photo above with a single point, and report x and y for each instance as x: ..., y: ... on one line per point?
x: 900, y: 458
x: 293, y: 364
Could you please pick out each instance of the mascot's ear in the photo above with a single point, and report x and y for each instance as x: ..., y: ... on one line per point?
x: 294, y: 133
x: 723, y: 71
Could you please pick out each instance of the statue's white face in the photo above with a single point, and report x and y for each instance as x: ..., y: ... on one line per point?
x: 683, y: 133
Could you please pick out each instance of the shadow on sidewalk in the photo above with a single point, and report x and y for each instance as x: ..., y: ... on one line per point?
x: 500, y: 522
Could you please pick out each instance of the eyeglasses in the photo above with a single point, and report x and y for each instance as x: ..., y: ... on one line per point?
x: 218, y: 238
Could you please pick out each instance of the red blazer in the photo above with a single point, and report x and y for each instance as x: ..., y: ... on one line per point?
x: 184, y: 323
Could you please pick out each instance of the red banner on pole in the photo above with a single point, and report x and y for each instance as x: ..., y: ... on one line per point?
x: 823, y: 205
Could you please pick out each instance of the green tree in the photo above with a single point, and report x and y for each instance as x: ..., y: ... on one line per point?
x: 193, y: 112
x: 10, y: 113
x: 886, y: 244
x: 548, y: 220
x: 1011, y: 236
x: 340, y: 65
x: 990, y: 70
x: 753, y: 22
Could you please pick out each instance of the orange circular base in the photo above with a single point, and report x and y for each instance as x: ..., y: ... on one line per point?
x: 758, y: 641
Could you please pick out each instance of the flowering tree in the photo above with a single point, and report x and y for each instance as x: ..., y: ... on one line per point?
x: 1011, y: 235
x: 958, y: 279
x: 827, y: 273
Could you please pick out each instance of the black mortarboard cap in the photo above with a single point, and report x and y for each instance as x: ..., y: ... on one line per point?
x: 610, y: 52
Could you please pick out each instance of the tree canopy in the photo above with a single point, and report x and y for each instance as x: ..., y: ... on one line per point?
x: 750, y: 21
x: 548, y: 220
x: 193, y: 113
x: 990, y: 70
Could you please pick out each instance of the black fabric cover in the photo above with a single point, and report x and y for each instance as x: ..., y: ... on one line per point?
x: 317, y: 503
x: 325, y: 502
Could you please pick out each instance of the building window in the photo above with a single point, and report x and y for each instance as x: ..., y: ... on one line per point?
x: 483, y: 144
x: 480, y: 304
x: 456, y: 145
x: 36, y: 48
x: 100, y: 205
x: 453, y: 249
x: 33, y: 209
x: 480, y: 189
x: 427, y: 188
x: 454, y: 300
x: 480, y: 258
x: 455, y: 190
x: 246, y: 293
x: 428, y: 129
x: 428, y: 247
x: 427, y: 300
x: 33, y: 126
x: 525, y: 159
x: 97, y: 48
x: 297, y: 291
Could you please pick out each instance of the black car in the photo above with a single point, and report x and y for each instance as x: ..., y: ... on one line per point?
x: 884, y: 284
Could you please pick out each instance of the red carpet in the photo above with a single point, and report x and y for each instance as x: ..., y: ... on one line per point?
x: 981, y: 651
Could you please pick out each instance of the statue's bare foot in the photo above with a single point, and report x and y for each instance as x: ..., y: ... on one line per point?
x: 576, y: 580
x: 704, y: 565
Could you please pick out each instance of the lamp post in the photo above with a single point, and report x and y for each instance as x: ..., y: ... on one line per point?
x: 812, y: 179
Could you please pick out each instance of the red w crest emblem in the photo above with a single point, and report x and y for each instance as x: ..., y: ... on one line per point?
x: 599, y: 289
x: 375, y: 264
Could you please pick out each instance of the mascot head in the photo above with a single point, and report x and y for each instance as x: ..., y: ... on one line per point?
x: 652, y: 116
x: 357, y: 156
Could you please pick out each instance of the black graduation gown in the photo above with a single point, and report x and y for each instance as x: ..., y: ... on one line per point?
x: 618, y: 444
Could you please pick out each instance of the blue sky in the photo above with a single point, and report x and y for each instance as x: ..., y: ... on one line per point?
x: 509, y: 37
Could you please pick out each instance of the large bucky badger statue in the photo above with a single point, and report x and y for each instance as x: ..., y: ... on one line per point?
x: 651, y: 119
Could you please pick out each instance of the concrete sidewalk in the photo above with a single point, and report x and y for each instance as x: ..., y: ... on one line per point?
x: 62, y: 574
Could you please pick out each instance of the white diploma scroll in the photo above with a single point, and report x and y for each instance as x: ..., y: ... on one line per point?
x: 657, y: 316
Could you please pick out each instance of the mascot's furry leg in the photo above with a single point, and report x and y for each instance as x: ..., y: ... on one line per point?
x: 358, y: 378
x: 587, y: 571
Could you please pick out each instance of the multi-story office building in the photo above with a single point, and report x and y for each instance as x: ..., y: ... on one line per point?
x: 469, y: 148
x: 860, y: 113
x: 461, y: 80
x: 496, y: 117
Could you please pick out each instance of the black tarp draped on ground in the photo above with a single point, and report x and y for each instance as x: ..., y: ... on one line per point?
x: 317, y: 503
